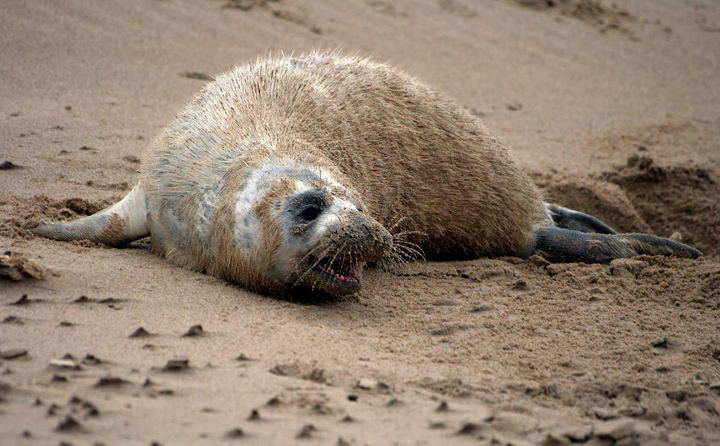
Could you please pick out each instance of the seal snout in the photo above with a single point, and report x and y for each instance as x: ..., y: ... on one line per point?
x: 362, y: 239
x: 344, y: 249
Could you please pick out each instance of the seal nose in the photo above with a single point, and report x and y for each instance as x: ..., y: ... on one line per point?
x: 367, y: 239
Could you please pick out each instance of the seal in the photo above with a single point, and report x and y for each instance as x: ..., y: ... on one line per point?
x: 293, y: 173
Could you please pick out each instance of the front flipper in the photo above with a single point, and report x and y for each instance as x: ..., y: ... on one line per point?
x: 119, y: 224
x: 560, y: 245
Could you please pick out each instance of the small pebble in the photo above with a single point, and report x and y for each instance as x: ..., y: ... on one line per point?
x: 443, y: 407
x: 140, y: 333
x: 69, y: 424
x: 22, y: 301
x: 468, y: 429
x: 235, y: 433
x: 13, y: 353
x: 110, y: 381
x: 306, y: 431
x: 195, y: 330
x: 176, y: 365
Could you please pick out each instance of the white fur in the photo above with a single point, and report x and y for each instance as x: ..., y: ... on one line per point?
x: 332, y: 216
x: 133, y: 210
x: 247, y: 225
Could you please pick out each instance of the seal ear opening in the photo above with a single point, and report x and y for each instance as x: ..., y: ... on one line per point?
x: 559, y: 245
x: 117, y: 225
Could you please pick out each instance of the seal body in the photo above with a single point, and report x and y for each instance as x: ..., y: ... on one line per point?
x: 295, y: 172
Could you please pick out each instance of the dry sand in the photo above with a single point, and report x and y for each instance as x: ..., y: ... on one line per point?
x: 612, y: 108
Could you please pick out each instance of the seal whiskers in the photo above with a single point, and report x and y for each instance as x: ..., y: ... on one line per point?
x: 404, y: 250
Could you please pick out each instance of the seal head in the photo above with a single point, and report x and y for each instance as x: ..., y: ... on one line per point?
x: 303, y: 230
x: 327, y: 243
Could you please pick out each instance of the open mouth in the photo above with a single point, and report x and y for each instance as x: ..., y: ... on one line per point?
x: 340, y: 273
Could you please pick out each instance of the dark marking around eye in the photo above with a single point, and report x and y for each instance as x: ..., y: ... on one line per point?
x: 306, y: 207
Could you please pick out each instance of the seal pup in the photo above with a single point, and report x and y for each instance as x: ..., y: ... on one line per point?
x: 291, y: 173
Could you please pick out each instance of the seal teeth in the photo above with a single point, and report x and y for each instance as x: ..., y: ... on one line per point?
x: 347, y: 274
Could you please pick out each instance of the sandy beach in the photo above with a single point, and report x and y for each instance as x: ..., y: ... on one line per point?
x: 612, y: 108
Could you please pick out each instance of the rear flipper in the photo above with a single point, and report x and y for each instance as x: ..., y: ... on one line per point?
x: 577, y: 221
x: 559, y: 245
x: 121, y: 223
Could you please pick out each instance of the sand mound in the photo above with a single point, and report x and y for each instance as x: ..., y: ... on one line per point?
x: 643, y: 197
x: 674, y: 199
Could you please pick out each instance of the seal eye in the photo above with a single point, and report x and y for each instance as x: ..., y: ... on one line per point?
x: 311, y: 212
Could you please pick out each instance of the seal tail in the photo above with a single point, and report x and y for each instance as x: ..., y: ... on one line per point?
x: 559, y: 245
x: 119, y: 224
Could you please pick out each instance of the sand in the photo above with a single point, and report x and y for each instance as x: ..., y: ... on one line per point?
x: 612, y: 108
